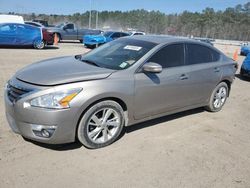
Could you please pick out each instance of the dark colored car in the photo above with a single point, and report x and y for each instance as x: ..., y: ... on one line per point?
x: 92, y: 96
x: 14, y: 34
x: 245, y: 68
x: 48, y: 37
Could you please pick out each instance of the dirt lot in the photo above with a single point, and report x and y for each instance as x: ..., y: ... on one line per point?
x: 191, y: 149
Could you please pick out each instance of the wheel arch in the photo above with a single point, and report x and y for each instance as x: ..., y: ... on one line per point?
x: 229, y: 83
x: 115, y: 99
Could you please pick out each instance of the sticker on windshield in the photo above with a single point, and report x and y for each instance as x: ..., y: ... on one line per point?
x: 130, y: 47
x: 123, y: 65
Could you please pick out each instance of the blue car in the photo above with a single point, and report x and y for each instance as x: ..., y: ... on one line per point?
x: 245, y: 68
x: 245, y: 49
x: 96, y: 40
x: 13, y: 34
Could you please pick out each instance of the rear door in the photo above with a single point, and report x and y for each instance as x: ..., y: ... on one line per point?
x: 204, y: 72
x: 27, y: 34
x: 165, y: 91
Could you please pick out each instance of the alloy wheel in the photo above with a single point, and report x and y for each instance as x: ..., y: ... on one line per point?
x: 220, y: 97
x: 103, y: 125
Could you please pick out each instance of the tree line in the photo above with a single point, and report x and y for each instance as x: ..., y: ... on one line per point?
x: 232, y: 23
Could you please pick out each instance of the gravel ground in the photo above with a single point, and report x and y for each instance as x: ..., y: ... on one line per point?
x: 190, y: 149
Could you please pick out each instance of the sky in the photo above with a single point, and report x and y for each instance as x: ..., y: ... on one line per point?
x: 73, y: 6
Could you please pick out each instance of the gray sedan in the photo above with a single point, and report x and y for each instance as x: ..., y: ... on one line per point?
x: 92, y: 97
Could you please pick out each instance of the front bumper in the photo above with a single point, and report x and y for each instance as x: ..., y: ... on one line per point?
x: 27, y: 120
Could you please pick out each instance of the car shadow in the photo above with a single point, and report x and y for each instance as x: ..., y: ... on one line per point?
x: 126, y: 130
x: 163, y: 119
x: 242, y: 77
x: 68, y: 41
x: 57, y: 147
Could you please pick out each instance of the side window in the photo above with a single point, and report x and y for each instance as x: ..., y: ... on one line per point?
x: 138, y: 34
x: 169, y: 56
x: 197, y: 54
x: 124, y: 34
x: 69, y: 26
x: 5, y: 28
x: 115, y: 35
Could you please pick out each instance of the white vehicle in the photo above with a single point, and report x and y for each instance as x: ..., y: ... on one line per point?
x: 132, y: 33
x: 11, y: 19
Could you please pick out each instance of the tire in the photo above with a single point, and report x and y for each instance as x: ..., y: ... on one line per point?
x: 81, y: 41
x: 39, y: 44
x: 96, y: 132
x: 218, y: 98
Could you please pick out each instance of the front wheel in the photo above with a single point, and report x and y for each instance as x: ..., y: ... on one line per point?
x: 218, y: 97
x: 101, y: 124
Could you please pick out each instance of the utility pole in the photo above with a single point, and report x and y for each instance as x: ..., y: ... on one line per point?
x: 90, y: 13
x: 96, y: 21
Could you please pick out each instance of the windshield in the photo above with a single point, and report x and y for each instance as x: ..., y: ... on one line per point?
x: 107, y: 33
x: 119, y: 54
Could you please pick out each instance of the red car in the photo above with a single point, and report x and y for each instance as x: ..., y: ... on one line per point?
x: 48, y: 37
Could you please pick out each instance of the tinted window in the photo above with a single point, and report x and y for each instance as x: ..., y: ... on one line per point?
x: 116, y: 35
x: 138, y: 34
x: 200, y: 54
x: 169, y: 56
x: 124, y: 34
x: 69, y: 26
x: 107, y: 33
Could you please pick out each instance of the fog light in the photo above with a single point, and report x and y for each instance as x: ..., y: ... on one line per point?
x: 43, y: 131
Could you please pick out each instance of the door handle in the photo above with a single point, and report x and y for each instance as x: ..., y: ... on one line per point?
x: 216, y: 69
x: 183, y: 77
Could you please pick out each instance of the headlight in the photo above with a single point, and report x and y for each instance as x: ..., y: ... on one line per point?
x: 57, y: 100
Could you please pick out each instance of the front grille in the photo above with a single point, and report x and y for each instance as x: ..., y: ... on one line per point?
x: 15, y: 93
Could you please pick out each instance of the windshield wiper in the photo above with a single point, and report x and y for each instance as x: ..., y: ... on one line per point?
x: 90, y: 62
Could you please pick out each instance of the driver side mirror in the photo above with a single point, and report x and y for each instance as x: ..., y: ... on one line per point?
x: 152, y: 67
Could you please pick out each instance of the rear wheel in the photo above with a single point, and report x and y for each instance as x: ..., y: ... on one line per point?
x: 101, y: 124
x: 39, y: 44
x: 218, y: 97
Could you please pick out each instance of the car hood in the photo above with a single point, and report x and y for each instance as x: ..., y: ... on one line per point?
x: 93, y: 37
x: 61, y: 70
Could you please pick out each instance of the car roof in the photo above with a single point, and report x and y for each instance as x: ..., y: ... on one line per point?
x: 31, y: 22
x: 164, y: 39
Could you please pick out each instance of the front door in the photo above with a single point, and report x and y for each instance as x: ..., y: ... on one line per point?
x: 165, y: 91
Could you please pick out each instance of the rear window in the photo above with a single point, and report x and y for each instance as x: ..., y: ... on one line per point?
x: 197, y: 54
